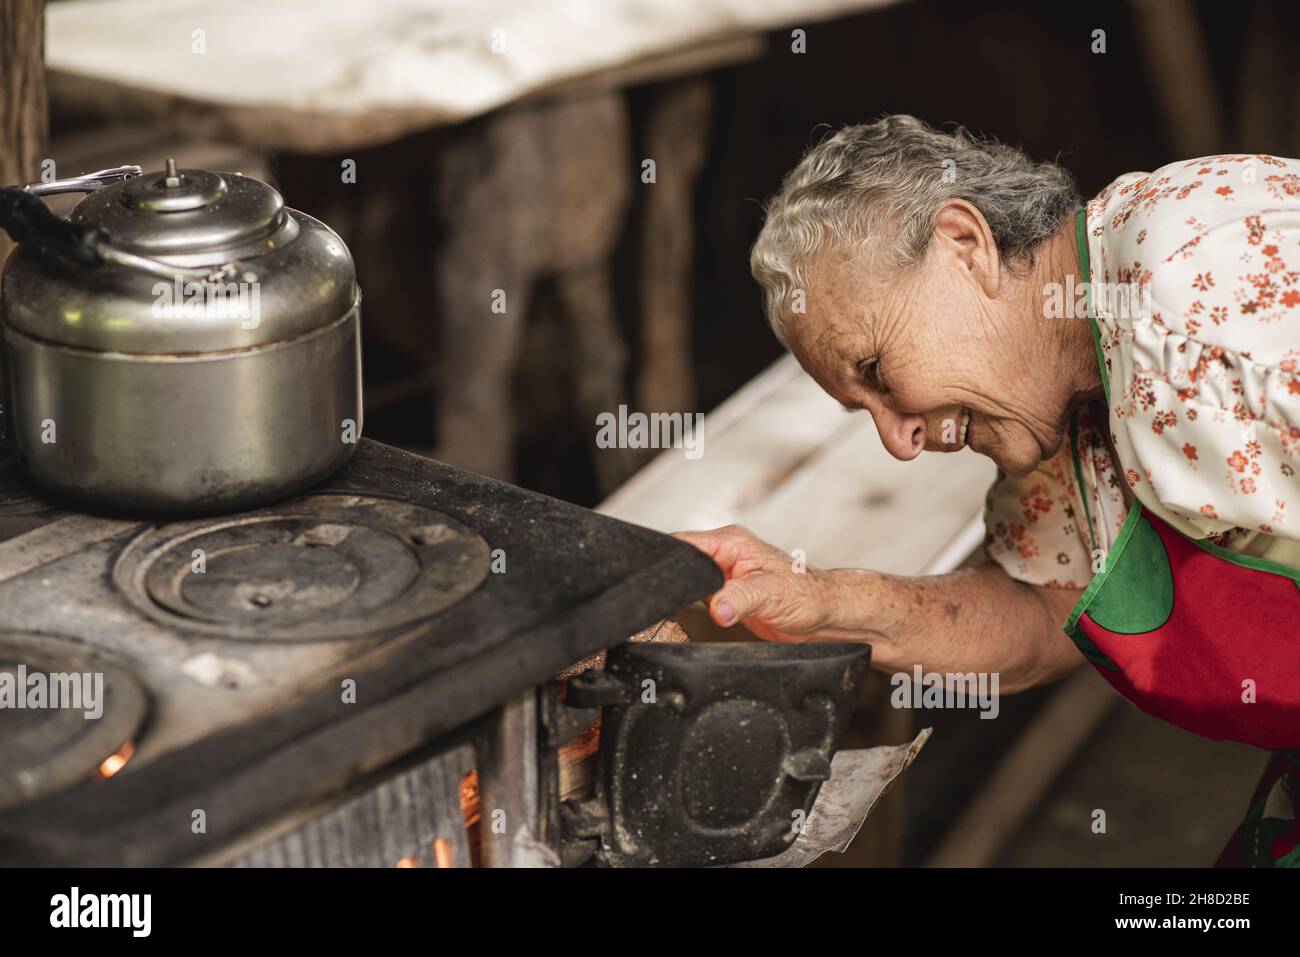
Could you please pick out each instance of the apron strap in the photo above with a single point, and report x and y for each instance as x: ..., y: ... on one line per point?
x: 1078, y: 479
x: 1085, y: 267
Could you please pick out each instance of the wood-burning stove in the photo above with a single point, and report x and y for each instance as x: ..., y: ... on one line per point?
x: 312, y: 682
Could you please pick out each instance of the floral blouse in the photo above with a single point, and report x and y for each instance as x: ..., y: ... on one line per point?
x: 1195, y: 281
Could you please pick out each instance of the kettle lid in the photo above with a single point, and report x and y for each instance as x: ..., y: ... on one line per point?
x: 277, y: 273
x: 191, y: 212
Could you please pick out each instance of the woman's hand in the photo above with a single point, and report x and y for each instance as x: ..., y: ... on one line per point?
x: 976, y: 619
x: 776, y: 597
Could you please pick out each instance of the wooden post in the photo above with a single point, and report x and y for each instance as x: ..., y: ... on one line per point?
x: 1178, y: 55
x: 677, y: 136
x: 24, y: 112
x: 1268, y: 87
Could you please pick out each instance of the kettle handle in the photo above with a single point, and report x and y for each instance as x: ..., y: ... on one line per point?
x: 30, y: 222
x: 86, y: 183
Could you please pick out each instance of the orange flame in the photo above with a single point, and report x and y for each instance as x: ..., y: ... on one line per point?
x: 116, y: 762
x: 444, y: 855
x: 469, y: 799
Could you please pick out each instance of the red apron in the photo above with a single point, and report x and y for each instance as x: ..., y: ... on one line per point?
x: 1206, y: 639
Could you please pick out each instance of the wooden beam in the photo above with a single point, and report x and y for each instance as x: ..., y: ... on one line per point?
x: 24, y: 110
x: 1268, y: 85
x: 1179, y: 60
x: 677, y: 140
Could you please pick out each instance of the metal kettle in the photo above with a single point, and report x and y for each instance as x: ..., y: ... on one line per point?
x: 182, y: 343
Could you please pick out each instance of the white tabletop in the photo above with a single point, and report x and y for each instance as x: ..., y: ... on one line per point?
x: 368, y: 70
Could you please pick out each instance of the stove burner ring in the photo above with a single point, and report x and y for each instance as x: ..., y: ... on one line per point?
x: 44, y: 748
x: 319, y: 567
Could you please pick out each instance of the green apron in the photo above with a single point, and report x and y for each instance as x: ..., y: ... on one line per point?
x: 1205, y: 639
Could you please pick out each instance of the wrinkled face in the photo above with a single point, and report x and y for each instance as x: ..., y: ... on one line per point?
x: 940, y: 356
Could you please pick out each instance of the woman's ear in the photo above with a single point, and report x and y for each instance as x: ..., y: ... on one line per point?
x: 962, y: 233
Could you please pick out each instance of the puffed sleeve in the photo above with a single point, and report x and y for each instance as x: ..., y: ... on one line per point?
x: 1205, y: 389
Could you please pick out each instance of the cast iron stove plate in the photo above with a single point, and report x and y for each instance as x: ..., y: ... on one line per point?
x: 314, y: 568
x: 563, y: 583
x: 45, y: 748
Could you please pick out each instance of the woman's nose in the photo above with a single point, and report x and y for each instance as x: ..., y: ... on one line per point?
x: 902, y: 435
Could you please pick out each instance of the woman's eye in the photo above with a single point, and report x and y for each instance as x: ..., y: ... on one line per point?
x: 871, y: 373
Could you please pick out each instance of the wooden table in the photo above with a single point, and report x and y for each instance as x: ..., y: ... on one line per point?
x: 309, y: 75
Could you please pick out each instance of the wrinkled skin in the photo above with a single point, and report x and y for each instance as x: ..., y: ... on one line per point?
x: 959, y: 338
x: 960, y: 332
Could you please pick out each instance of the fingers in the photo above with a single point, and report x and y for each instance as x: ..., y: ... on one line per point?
x: 707, y: 542
x: 726, y: 546
x: 740, y: 598
x: 755, y: 588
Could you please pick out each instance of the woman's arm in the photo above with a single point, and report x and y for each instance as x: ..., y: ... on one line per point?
x: 977, y: 619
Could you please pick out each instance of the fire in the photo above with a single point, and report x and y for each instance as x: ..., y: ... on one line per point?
x: 469, y: 807
x: 443, y: 853
x: 116, y: 762
x: 470, y: 810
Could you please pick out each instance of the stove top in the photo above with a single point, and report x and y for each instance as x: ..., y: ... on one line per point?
x: 254, y: 664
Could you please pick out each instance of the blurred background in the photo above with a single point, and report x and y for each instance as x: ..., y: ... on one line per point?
x: 603, y: 166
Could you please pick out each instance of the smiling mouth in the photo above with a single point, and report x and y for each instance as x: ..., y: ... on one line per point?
x: 965, y: 425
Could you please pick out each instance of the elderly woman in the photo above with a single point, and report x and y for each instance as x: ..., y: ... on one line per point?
x: 1131, y: 368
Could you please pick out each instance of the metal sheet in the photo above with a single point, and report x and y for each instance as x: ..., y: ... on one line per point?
x: 859, y: 779
x: 398, y: 820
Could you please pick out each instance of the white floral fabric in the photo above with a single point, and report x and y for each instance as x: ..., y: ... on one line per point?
x: 1204, y: 371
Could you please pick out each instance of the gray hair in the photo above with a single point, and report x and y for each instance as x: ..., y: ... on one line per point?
x: 888, y: 179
